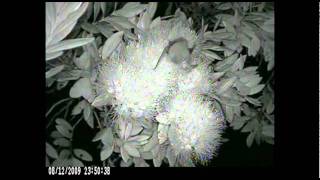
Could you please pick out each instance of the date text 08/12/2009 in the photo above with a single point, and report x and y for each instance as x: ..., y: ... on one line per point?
x: 87, y: 170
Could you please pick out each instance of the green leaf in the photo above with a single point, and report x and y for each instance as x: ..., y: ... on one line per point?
x: 211, y: 55
x: 111, y: 44
x: 64, y: 123
x: 140, y: 162
x: 54, y: 71
x: 56, y: 134
x: 107, y: 138
x: 239, y: 122
x: 82, y: 154
x: 139, y: 138
x: 250, y: 139
x: 51, y: 56
x: 78, y: 108
x: 171, y: 156
x: 68, y: 44
x: 62, y: 142
x: 96, y: 10
x: 89, y: 28
x: 105, y: 29
x: 268, y: 130
x: 225, y: 85
x: 256, y: 89
x: 136, y: 128
x: 99, y: 135
x: 65, y: 154
x: 51, y: 151
x: 64, y: 131
x: 133, y: 151
x: 88, y: 115
x: 102, y: 100
x: 253, y: 101
x: 82, y: 88
x: 124, y: 154
x: 106, y: 152
x: 130, y: 9
x: 76, y: 162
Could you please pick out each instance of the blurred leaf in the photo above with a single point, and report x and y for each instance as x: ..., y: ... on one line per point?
x: 96, y: 10
x: 89, y: 28
x: 56, y: 134
x: 225, y: 84
x: 64, y: 131
x: 250, y: 139
x: 63, y: 142
x: 256, y: 89
x: 88, y: 115
x: 124, y: 154
x: 268, y: 130
x: 50, y: 56
x: 253, y: 101
x: 239, y: 122
x: 76, y: 162
x: 51, y: 151
x: 82, y: 154
x: 139, y: 138
x: 102, y: 100
x: 54, y: 71
x: 68, y: 44
x: 79, y: 107
x: 211, y: 55
x: 111, y: 44
x: 107, y: 138
x: 64, y: 123
x: 131, y: 150
x: 130, y: 9
x: 65, y: 154
x: 106, y: 152
x: 82, y: 88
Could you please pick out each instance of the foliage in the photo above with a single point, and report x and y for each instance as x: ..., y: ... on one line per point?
x: 235, y: 40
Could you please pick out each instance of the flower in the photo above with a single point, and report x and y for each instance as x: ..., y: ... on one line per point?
x: 195, y: 126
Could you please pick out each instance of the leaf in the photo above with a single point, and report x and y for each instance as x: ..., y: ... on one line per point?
x: 253, y: 101
x: 133, y: 151
x: 155, y: 22
x: 238, y: 65
x: 111, y: 44
x: 124, y: 154
x: 136, y: 128
x: 89, y: 28
x: 64, y: 131
x: 105, y: 29
x: 96, y: 10
x: 56, y: 134
x: 63, y: 142
x: 225, y: 85
x: 211, y: 55
x: 76, y: 162
x: 82, y: 154
x: 51, y: 152
x: 107, y: 138
x: 68, y: 44
x: 51, y: 56
x: 64, y: 123
x: 82, y: 88
x: 65, y: 154
x: 78, y: 108
x: 140, y: 162
x: 268, y: 25
x: 106, y: 152
x: 250, y: 139
x: 139, y: 138
x: 127, y: 130
x: 254, y: 46
x: 88, y: 115
x: 256, y: 89
x: 239, y: 122
x: 268, y: 130
x: 130, y: 9
x: 100, y: 135
x: 54, y: 71
x: 171, y: 156
x: 121, y: 21
x: 102, y: 100
x: 226, y: 63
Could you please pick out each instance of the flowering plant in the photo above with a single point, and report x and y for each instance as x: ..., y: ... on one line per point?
x: 158, y: 89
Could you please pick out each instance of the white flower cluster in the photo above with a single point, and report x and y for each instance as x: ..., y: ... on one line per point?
x: 168, y: 94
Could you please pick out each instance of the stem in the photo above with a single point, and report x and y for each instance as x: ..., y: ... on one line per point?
x: 99, y: 124
x: 54, y: 116
x: 59, y: 102
x: 67, y: 111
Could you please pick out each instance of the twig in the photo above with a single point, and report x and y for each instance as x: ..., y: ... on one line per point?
x: 59, y: 102
x: 99, y: 124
